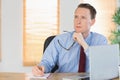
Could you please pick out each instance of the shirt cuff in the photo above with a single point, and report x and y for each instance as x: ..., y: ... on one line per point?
x: 45, y: 67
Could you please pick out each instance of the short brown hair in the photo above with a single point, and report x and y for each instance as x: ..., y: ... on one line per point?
x: 93, y: 11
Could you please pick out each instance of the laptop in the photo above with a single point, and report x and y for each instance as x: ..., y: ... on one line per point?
x: 104, y: 62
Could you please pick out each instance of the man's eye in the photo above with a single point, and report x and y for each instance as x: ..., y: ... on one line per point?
x: 75, y: 17
x: 83, y: 17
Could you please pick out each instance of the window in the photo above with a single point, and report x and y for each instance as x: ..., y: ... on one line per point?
x: 41, y: 19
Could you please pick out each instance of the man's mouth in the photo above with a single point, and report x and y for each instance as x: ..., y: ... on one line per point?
x: 78, y: 26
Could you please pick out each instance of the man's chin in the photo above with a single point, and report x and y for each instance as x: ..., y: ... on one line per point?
x: 78, y: 31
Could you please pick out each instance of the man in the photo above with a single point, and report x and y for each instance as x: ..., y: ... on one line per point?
x: 64, y: 50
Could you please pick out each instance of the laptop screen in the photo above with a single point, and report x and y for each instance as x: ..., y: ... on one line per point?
x: 104, y: 62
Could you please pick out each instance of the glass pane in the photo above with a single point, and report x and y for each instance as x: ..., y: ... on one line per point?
x: 40, y: 22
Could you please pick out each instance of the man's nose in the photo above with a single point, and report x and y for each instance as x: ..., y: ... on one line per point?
x: 79, y: 21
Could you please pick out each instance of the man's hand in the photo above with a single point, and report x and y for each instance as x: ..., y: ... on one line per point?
x: 78, y: 37
x: 38, y: 70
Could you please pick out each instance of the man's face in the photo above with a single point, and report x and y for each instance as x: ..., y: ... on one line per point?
x: 82, y: 20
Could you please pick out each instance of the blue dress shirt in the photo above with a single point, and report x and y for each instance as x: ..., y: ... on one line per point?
x: 68, y: 60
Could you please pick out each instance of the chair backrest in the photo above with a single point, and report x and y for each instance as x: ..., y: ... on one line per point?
x: 46, y: 43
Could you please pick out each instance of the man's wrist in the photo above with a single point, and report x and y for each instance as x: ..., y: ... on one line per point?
x: 85, y: 46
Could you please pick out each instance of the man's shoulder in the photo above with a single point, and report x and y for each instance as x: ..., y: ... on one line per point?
x: 99, y: 39
x: 65, y: 35
x: 95, y: 34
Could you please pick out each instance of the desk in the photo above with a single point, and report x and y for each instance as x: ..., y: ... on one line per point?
x: 21, y: 76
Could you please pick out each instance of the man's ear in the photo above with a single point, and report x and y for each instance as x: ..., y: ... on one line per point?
x: 92, y: 22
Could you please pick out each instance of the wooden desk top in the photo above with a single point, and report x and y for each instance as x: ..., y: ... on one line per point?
x: 22, y: 76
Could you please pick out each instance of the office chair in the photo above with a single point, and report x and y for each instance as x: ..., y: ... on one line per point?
x: 46, y: 43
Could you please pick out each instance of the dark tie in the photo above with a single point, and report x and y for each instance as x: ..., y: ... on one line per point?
x: 82, y: 61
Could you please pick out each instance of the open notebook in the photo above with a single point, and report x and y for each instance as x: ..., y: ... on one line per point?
x: 30, y: 76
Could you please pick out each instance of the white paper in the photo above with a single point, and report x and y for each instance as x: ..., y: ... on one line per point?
x: 45, y: 76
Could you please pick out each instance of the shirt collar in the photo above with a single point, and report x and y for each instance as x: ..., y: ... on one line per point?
x: 89, y: 38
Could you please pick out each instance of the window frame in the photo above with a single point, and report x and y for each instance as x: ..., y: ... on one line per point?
x: 25, y: 63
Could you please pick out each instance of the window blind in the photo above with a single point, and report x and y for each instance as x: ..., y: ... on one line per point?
x: 40, y: 21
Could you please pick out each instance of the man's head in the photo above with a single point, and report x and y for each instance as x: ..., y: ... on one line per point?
x: 91, y: 9
x: 84, y: 18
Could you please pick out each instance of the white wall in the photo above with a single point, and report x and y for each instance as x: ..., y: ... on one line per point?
x: 12, y: 27
x: 67, y: 14
x: 12, y: 36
